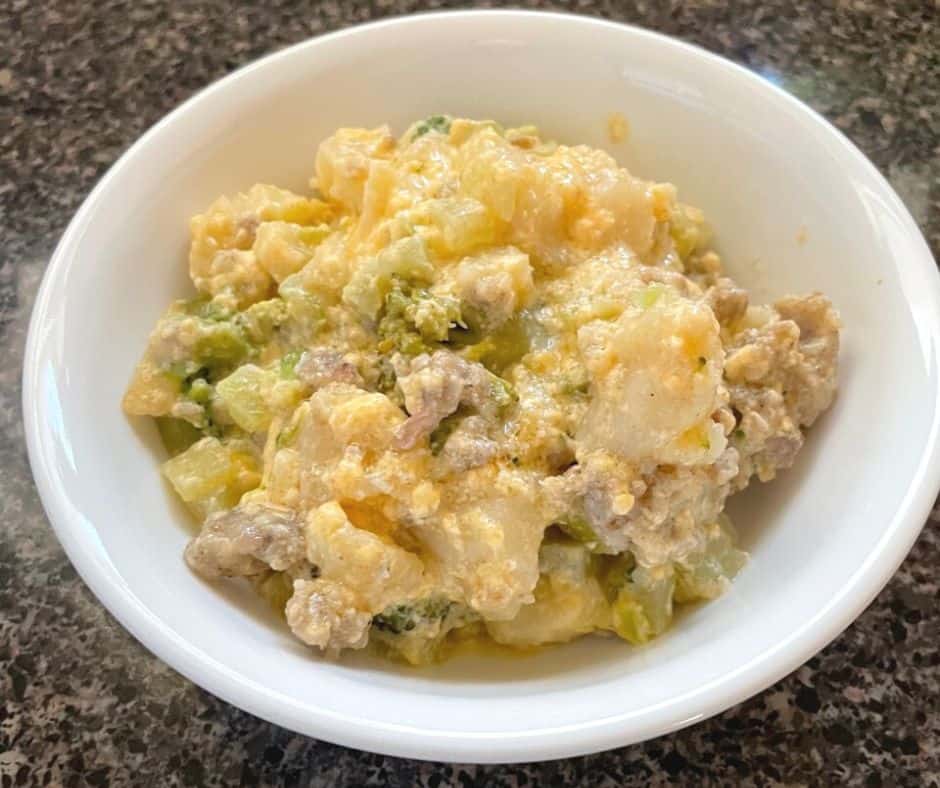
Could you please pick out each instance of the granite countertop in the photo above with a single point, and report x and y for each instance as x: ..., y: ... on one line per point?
x: 82, y: 702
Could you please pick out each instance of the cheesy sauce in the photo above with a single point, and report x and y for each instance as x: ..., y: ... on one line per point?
x: 474, y: 385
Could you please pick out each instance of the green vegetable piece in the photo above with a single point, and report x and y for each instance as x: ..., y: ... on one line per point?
x: 630, y: 620
x: 707, y: 575
x: 413, y: 320
x: 501, y: 392
x: 438, y: 438
x: 208, y: 309
x: 405, y: 260
x: 614, y: 572
x: 643, y: 607
x: 497, y: 351
x: 387, y: 380
x: 438, y: 123
x: 578, y: 529
x: 432, y: 316
x: 576, y: 388
x: 289, y: 363
x: 262, y: 320
x: 177, y: 434
x: 404, y: 617
x: 200, y: 391
x: 648, y: 296
x: 287, y: 436
x: 220, y: 346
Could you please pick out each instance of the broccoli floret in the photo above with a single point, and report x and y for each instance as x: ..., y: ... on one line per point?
x: 438, y: 123
x: 416, y: 631
x: 406, y: 616
x: 260, y: 321
x: 413, y: 320
x: 220, y: 347
x: 386, y: 381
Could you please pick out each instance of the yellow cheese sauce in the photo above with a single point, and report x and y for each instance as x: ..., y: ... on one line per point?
x: 475, y: 386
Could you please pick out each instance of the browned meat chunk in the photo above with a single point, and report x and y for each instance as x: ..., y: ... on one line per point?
x: 728, y: 302
x: 320, y: 366
x: 247, y: 540
x: 434, y: 386
x: 781, y: 376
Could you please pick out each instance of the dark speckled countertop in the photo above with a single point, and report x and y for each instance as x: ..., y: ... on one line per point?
x: 82, y: 703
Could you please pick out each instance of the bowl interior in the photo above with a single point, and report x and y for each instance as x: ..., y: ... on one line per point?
x: 794, y: 208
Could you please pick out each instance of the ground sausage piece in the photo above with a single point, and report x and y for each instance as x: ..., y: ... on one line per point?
x: 323, y: 613
x: 812, y: 382
x: 247, y: 540
x: 434, y: 387
x: 728, y: 302
x: 781, y: 376
x: 663, y: 516
x: 320, y: 366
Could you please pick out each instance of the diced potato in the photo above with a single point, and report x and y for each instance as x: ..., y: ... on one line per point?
x: 365, y: 419
x: 304, y: 307
x: 236, y: 278
x: 152, y: 392
x: 220, y: 260
x: 283, y: 487
x: 378, y: 572
x: 655, y: 376
x: 496, y: 284
x: 230, y: 222
x: 243, y: 395
x: 489, y: 530
x: 492, y: 172
x: 282, y: 248
x: 212, y: 474
x: 343, y: 163
x: 463, y: 225
x: 376, y: 195
x: 568, y: 602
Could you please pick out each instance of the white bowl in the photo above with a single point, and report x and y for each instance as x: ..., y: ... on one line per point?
x: 796, y: 208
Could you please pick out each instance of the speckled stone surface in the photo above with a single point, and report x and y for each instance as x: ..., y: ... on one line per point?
x: 82, y: 703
